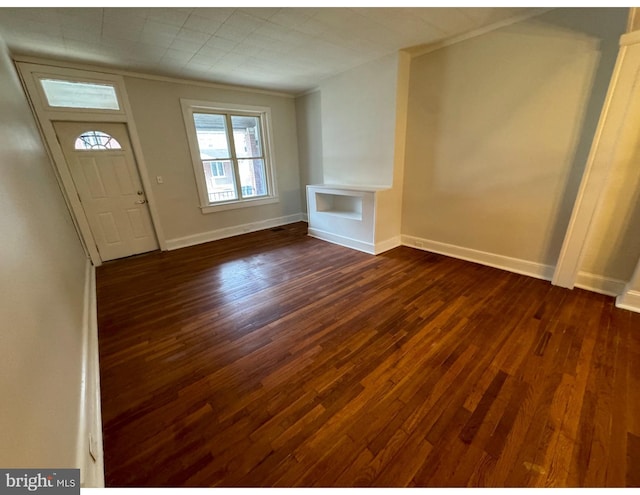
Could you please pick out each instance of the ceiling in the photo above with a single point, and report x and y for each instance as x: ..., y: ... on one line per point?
x: 286, y: 49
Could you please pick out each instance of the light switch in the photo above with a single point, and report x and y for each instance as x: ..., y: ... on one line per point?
x: 159, y: 179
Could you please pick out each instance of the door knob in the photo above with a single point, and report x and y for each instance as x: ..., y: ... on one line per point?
x: 141, y: 202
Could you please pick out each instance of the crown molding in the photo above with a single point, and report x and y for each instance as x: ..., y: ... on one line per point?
x: 142, y: 75
x: 418, y: 50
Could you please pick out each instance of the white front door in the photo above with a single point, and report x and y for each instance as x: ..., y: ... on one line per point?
x: 106, y: 177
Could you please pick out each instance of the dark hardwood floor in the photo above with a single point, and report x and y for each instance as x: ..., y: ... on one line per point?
x: 275, y: 359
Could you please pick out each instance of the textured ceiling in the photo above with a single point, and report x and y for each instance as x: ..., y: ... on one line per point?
x: 286, y: 49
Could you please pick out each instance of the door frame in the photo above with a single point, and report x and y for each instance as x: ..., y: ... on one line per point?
x: 30, y: 73
x: 112, y: 187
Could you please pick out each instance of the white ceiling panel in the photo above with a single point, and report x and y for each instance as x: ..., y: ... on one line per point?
x: 172, y: 16
x: 287, y: 49
x: 197, y: 22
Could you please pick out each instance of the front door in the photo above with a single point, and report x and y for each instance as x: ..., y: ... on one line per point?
x: 106, y: 178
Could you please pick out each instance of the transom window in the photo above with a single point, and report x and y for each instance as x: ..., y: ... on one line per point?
x: 231, y: 159
x: 76, y: 94
x: 96, y: 140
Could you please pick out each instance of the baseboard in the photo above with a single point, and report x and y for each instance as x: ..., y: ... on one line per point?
x: 629, y: 300
x: 365, y: 247
x: 516, y: 265
x: 214, y: 235
x: 304, y: 217
x: 601, y: 285
x: 388, y: 244
x: 90, y: 417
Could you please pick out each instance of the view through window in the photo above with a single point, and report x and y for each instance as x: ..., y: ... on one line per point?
x: 233, y: 162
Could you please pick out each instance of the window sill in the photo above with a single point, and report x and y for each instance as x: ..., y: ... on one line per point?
x: 232, y: 205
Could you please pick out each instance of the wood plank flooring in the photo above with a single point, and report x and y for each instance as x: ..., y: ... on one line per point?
x: 275, y: 359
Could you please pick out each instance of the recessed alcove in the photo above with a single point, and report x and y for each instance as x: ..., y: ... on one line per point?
x: 342, y: 205
x: 344, y: 215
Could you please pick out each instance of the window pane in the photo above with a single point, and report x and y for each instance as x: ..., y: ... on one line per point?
x: 253, y: 178
x: 96, y: 140
x: 246, y: 136
x: 211, y: 130
x: 219, y: 187
x: 72, y: 94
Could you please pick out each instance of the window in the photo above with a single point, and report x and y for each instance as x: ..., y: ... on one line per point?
x: 217, y: 169
x: 96, y: 140
x: 73, y: 94
x: 230, y: 148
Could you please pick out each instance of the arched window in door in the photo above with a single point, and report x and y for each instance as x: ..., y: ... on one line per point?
x: 96, y: 140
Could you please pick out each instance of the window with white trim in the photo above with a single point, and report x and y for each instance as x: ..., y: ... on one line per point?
x: 230, y: 153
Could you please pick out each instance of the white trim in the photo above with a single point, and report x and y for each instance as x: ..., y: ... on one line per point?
x: 226, y: 107
x: 40, y: 76
x: 516, y: 265
x: 45, y: 118
x: 365, y: 247
x: 631, y: 19
x: 629, y: 39
x: 615, y: 110
x: 417, y: 51
x: 388, y: 244
x: 585, y: 204
x: 601, y: 285
x: 629, y: 300
x: 141, y: 75
x: 214, y: 235
x: 36, y: 92
x: 243, y: 203
x: 348, y: 190
x: 304, y: 217
x: 90, y: 416
x: 263, y: 113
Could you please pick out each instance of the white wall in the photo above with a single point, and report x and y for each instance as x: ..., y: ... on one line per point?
x: 358, y: 124
x: 499, y: 128
x: 309, y: 129
x: 42, y: 275
x: 389, y: 207
x: 158, y: 118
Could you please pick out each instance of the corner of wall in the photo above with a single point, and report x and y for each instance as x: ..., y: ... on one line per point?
x: 309, y: 138
x: 630, y: 297
x: 597, y: 283
x: 630, y: 300
x: 389, y: 219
